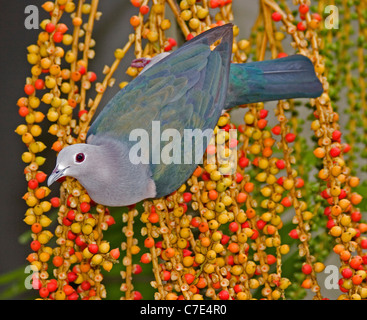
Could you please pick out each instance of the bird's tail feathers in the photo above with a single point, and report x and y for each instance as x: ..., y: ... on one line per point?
x: 284, y: 78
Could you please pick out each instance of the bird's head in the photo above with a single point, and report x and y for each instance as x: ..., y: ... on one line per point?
x: 74, y: 161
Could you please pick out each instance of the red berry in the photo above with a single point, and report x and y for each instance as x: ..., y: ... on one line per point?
x: 137, y: 295
x: 136, y: 3
x: 270, y: 259
x: 280, y: 164
x: 187, y: 196
x: 39, y: 84
x: 71, y: 215
x: 52, y: 285
x: 336, y: 135
x: 346, y: 148
x: 91, y: 76
x: 144, y: 9
x: 255, y: 234
x: 282, y: 55
x: 263, y: 113
x: 23, y: 111
x: 84, y: 207
x: 137, y: 269
x: 276, y: 130
x: 72, y: 276
x: 29, y: 89
x: 233, y: 226
x: 223, y: 295
x: 335, y: 152
x: 303, y: 9
x: 306, y: 268
x: 290, y: 137
x: 316, y: 16
x: 172, y: 42
x: 57, y: 37
x: 93, y: 248
x: 299, y: 183
x: 35, y: 245
x: 189, y: 278
x: 214, y: 4
x: 364, y: 243
x: 301, y: 26
x: 189, y: 37
x: 233, y: 143
x: 166, y: 275
x: 224, y: 239
x: 356, y: 216
x: 55, y: 202
x: 85, y: 285
x: 330, y: 224
x: 260, y: 224
x: 71, y: 235
x: 239, y: 177
x: 43, y: 292
x: 32, y: 184
x: 62, y: 27
x: 66, y: 222
x: 243, y: 162
x: 347, y: 273
x: 286, y: 202
x: 276, y: 16
x: 294, y: 234
x: 110, y: 221
x: 50, y: 27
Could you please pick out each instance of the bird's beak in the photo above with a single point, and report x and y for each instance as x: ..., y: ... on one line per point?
x: 56, y: 175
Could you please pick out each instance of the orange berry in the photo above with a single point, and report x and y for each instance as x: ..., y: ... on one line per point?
x: 36, y: 227
x: 198, y: 171
x: 344, y: 255
x: 307, y: 283
x: 213, y: 195
x: 203, y: 227
x: 268, y: 142
x: 40, y: 193
x: 205, y: 242
x: 250, y: 213
x: 201, y: 283
x: 319, y: 152
x: 249, y: 187
x: 57, y: 261
x: 241, y: 197
x: 233, y: 247
x: 134, y: 21
x: 57, y: 146
x: 356, y: 198
x: 267, y: 152
x: 153, y: 217
x: 338, y: 248
x: 353, y: 182
x: 170, y: 252
x: 149, y: 242
x: 84, y: 267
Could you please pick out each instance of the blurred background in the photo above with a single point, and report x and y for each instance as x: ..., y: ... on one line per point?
x: 110, y: 32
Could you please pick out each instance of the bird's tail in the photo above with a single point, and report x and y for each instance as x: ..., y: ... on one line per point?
x: 284, y: 78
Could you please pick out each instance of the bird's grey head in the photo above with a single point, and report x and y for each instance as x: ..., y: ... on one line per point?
x: 74, y: 161
x: 105, y: 171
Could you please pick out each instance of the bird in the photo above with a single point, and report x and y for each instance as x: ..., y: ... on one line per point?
x: 188, y: 89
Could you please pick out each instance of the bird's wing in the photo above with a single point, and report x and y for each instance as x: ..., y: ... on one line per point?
x: 185, y: 90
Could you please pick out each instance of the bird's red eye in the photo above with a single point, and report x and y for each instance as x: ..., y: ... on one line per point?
x: 80, y: 157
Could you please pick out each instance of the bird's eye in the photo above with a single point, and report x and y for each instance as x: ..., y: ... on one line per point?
x: 80, y: 157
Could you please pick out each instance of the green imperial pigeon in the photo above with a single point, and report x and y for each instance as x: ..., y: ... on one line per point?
x: 185, y: 90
